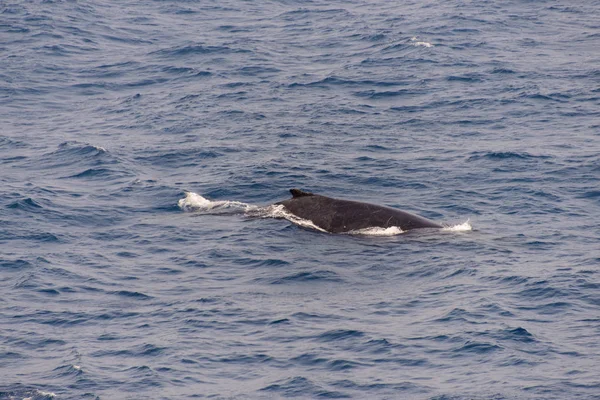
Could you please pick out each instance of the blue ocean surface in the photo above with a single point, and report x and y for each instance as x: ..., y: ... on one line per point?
x: 117, y: 116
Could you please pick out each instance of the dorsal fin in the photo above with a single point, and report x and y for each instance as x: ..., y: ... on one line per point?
x: 299, y: 193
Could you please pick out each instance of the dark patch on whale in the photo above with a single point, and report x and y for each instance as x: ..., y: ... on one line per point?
x: 339, y: 216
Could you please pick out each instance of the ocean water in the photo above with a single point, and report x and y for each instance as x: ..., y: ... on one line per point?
x: 136, y: 139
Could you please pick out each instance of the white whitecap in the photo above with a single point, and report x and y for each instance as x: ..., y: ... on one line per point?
x: 41, y: 393
x: 416, y: 42
x: 464, y: 227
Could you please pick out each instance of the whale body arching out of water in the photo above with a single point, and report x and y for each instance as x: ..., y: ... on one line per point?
x: 339, y: 216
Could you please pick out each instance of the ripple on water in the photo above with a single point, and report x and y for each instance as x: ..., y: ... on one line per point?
x: 321, y: 276
x: 300, y: 386
x: 110, y: 115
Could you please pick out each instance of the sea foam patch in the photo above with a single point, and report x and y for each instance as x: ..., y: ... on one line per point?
x: 464, y: 227
x: 279, y: 211
x: 417, y: 42
x: 378, y: 231
x: 195, y: 202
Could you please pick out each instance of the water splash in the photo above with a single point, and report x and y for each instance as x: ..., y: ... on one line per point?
x: 193, y: 202
x: 464, y: 227
x: 416, y: 42
x: 279, y: 211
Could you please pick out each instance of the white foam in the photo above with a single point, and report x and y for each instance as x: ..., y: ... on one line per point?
x: 419, y: 43
x: 41, y: 393
x: 464, y: 227
x: 279, y: 211
x: 194, y: 202
x: 378, y: 231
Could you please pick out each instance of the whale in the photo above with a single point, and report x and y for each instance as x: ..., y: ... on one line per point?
x: 340, y: 216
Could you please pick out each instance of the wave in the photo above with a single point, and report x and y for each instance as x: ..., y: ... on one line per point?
x: 196, y: 49
x: 73, y: 152
x: 301, y: 386
x: 309, y: 276
x: 505, y: 155
x: 27, y: 204
x: 78, y: 160
x: 26, y: 394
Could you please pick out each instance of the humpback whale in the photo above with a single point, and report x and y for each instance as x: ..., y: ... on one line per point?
x: 338, y: 216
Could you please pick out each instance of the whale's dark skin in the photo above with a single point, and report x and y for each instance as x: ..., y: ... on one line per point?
x: 338, y: 216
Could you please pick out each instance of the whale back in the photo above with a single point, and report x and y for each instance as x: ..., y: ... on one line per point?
x: 337, y: 215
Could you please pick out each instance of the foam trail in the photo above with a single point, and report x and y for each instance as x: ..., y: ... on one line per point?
x: 193, y: 202
x: 464, y: 227
x: 279, y: 211
x: 377, y: 231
